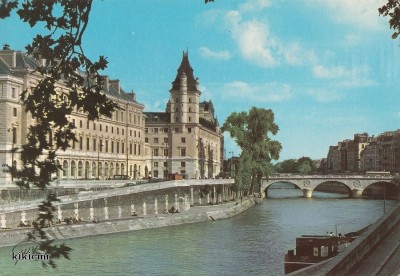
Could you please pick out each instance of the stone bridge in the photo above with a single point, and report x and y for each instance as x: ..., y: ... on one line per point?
x: 356, y: 184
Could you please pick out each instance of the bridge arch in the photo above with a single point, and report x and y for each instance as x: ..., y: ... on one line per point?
x: 378, y: 187
x: 268, y: 186
x: 335, y: 186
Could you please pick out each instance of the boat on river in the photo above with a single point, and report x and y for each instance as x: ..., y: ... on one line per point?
x: 312, y: 249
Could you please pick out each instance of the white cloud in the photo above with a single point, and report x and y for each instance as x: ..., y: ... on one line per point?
x: 295, y: 54
x: 255, y: 42
x: 259, y: 93
x: 351, y: 40
x: 345, y: 77
x: 208, y: 53
x: 362, y: 14
x: 255, y: 5
x: 333, y: 72
x: 324, y: 95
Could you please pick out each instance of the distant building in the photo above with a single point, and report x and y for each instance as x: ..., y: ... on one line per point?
x: 364, y: 153
x: 186, y: 139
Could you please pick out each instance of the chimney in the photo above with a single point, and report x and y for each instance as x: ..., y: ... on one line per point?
x: 8, y: 56
x: 115, y: 84
x: 133, y: 96
x: 105, y: 83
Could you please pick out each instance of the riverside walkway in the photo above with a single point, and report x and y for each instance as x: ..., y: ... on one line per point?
x: 384, y: 259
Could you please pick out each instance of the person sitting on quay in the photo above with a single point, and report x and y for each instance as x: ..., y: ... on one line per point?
x: 177, y: 211
x: 134, y: 214
x: 172, y: 210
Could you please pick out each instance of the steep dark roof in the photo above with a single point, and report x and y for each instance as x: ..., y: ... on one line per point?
x: 4, y: 70
x: 24, y: 61
x: 157, y: 117
x: 187, y: 69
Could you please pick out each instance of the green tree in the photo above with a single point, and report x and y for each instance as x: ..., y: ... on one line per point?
x: 289, y: 166
x: 392, y: 9
x: 251, y: 132
x: 305, y: 165
x: 65, y: 61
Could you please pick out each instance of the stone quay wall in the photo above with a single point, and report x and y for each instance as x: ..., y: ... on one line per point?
x: 346, y: 261
x: 120, y: 203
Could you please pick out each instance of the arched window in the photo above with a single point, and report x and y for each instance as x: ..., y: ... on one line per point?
x: 117, y: 168
x: 65, y: 168
x: 87, y: 166
x: 122, y: 169
x: 80, y: 169
x: 94, y: 169
x: 100, y: 170
x: 135, y: 171
x: 112, y: 170
x: 106, y: 170
x: 73, y: 169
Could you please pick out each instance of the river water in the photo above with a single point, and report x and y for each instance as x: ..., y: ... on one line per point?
x: 252, y: 243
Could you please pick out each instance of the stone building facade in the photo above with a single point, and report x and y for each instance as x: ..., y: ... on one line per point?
x: 185, y: 139
x: 106, y: 147
x: 366, y: 154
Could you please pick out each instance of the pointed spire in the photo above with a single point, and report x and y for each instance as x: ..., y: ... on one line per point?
x: 187, y: 69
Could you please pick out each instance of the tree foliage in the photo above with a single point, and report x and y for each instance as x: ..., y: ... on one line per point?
x: 304, y: 165
x: 392, y: 9
x: 64, y: 61
x: 251, y: 132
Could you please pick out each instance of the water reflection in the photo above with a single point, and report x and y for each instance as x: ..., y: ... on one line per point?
x: 253, y: 243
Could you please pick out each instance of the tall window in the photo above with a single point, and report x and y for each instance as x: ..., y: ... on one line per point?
x: 14, y: 135
x: 80, y: 143
x: 123, y: 148
x: 155, y: 152
x: 15, y: 112
x: 183, y: 152
x: 87, y: 143
x: 117, y: 147
x: 94, y: 144
x: 106, y: 145
x: 13, y: 93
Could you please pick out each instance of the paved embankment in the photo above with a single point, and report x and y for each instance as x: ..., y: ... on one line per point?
x: 193, y: 215
x: 356, y: 254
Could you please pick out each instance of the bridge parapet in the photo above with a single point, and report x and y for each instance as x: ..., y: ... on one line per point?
x: 356, y: 184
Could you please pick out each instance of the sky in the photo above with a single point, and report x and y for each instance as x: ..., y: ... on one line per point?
x: 327, y: 69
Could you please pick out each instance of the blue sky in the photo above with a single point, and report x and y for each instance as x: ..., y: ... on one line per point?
x: 327, y: 69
